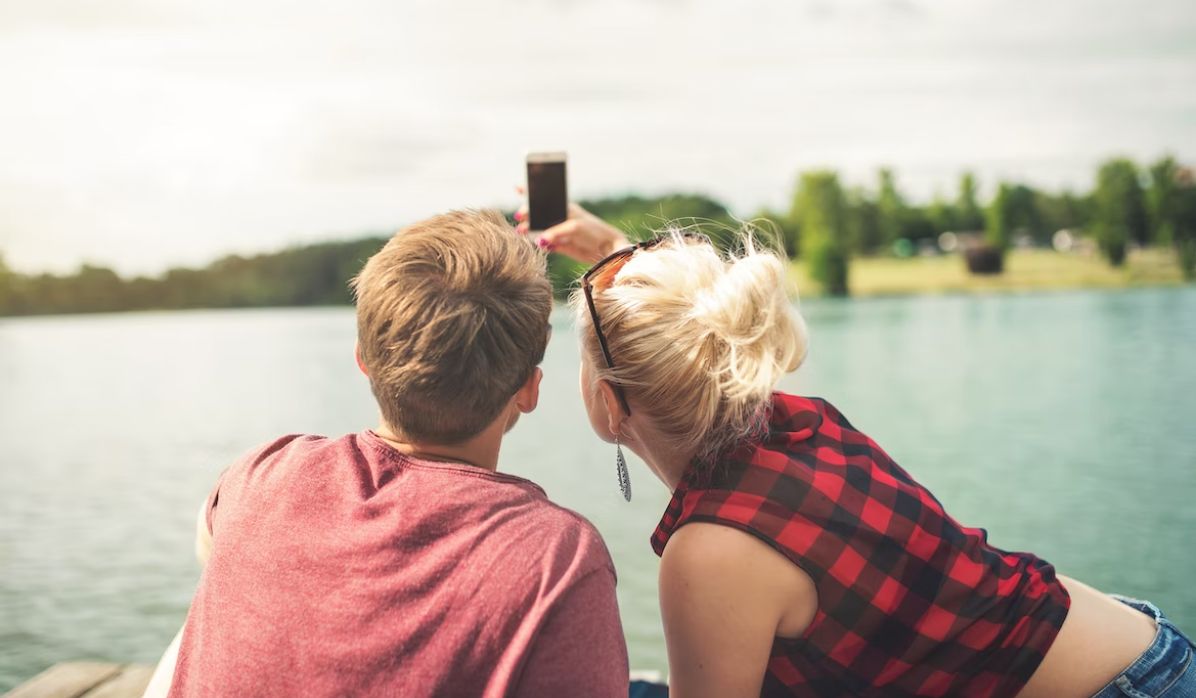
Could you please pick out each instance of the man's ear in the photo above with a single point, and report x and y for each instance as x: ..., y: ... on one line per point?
x: 614, y: 408
x: 528, y: 395
x: 360, y: 363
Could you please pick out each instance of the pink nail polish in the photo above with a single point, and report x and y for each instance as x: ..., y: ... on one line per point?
x: 542, y: 243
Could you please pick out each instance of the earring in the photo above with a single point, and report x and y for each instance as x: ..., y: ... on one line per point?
x: 621, y: 466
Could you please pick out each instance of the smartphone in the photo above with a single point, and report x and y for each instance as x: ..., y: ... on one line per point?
x: 547, y: 195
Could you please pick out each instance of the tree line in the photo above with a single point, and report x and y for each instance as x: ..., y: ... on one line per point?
x: 826, y: 224
x: 1127, y: 206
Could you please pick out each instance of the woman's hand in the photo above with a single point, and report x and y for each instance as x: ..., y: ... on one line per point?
x: 582, y: 236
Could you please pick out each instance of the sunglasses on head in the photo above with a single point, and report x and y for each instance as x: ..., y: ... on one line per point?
x: 602, y: 274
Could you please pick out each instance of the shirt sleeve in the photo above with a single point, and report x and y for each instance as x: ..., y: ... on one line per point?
x: 580, y: 651
x: 233, y: 477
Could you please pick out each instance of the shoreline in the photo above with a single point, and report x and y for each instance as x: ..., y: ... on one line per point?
x: 1027, y: 271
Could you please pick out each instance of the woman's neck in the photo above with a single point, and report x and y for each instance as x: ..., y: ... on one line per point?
x: 668, y: 463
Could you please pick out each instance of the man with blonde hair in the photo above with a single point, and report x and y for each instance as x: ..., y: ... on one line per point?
x: 398, y: 561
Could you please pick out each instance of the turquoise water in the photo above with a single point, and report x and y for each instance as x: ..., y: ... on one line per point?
x: 1062, y: 423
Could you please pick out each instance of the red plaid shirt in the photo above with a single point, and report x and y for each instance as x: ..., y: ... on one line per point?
x: 910, y: 602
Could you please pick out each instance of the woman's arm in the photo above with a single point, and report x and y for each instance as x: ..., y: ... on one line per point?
x: 725, y: 595
x: 159, y: 684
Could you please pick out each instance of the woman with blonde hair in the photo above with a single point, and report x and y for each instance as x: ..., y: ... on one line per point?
x: 797, y: 558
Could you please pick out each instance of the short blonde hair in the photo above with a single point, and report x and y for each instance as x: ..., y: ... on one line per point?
x: 452, y: 318
x: 698, y: 338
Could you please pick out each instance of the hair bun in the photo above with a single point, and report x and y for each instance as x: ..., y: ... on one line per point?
x: 748, y: 312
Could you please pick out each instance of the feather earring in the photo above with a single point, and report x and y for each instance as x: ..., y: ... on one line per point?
x: 621, y: 466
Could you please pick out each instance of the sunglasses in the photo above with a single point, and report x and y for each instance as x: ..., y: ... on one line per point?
x: 602, y: 274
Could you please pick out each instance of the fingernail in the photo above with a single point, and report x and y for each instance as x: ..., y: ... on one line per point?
x: 542, y: 244
x: 519, y: 215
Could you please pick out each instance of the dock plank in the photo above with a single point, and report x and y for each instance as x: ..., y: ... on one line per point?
x: 66, y: 680
x: 129, y: 683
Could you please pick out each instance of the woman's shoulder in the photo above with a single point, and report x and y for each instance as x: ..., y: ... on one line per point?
x: 712, y: 560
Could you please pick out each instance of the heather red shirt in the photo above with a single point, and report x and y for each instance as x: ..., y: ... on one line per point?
x: 342, y: 567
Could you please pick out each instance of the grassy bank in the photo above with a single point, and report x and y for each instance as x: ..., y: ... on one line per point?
x: 1025, y: 270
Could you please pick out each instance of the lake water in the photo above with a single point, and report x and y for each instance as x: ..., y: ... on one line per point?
x: 1062, y: 423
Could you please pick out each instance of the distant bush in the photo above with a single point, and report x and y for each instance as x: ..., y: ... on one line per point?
x: 985, y: 259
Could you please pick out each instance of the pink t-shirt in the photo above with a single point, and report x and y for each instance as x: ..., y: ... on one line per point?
x: 342, y: 567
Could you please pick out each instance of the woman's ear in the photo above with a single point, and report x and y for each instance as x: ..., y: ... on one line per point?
x: 360, y: 363
x: 614, y: 409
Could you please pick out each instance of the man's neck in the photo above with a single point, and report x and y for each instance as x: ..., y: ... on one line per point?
x: 480, y: 451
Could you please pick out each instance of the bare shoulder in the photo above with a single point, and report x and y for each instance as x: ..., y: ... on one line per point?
x: 712, y: 562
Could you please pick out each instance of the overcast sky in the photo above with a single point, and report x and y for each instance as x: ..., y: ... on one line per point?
x: 144, y: 134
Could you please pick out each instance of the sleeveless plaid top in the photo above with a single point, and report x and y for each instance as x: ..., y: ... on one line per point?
x: 910, y: 602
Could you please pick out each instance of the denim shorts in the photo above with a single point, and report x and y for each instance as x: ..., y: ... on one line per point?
x: 1164, y: 669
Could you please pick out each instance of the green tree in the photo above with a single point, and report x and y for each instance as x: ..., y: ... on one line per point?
x: 998, y: 228
x: 95, y: 290
x: 8, y: 289
x: 1059, y: 211
x: 890, y: 207
x: 864, y: 230
x: 1120, y: 211
x: 819, y: 208
x: 1161, y: 199
x: 1184, y: 219
x: 968, y: 213
x: 1014, y: 210
x: 942, y: 216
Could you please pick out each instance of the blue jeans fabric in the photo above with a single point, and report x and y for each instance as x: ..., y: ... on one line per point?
x: 1164, y: 669
x: 648, y: 689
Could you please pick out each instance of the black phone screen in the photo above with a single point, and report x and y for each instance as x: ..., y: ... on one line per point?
x: 547, y: 198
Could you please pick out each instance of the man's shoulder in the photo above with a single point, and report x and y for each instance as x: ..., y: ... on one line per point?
x: 553, y: 531
x: 289, y: 446
x: 554, y: 520
x: 281, y: 454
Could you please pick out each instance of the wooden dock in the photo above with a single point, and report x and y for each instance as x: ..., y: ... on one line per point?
x: 86, y: 680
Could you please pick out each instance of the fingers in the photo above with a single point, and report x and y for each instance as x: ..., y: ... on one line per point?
x: 521, y: 226
x: 566, y: 238
x: 560, y: 234
x: 581, y: 236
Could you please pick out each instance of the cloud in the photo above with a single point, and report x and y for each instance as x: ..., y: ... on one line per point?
x: 141, y: 134
x: 87, y: 15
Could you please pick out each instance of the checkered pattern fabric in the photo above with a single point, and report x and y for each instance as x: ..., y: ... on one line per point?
x: 910, y: 602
